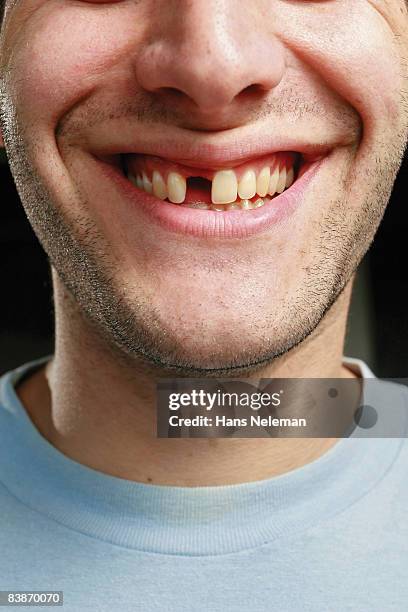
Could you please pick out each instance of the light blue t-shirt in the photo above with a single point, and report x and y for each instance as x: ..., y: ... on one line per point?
x: 330, y: 536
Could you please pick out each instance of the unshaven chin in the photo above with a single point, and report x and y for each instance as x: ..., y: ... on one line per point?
x: 318, y: 355
x: 97, y: 397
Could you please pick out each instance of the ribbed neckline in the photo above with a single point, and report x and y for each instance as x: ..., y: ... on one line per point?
x: 181, y: 520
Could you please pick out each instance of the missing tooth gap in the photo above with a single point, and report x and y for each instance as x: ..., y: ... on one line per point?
x: 198, y: 182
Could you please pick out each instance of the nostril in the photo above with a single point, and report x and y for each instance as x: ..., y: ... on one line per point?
x: 254, y: 88
x: 252, y: 92
x: 171, y: 91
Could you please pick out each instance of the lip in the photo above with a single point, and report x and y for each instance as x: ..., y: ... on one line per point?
x: 198, y: 223
x: 205, y: 150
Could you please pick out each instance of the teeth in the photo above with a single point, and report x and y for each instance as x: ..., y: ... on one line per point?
x: 219, y: 207
x: 290, y: 178
x: 247, y: 185
x: 136, y: 181
x: 176, y: 188
x: 262, y: 183
x: 273, y: 182
x: 224, y: 187
x: 147, y: 185
x: 201, y: 205
x: 226, y: 193
x: 282, y: 181
x: 258, y: 203
x: 239, y: 205
x: 159, y: 186
x: 133, y: 180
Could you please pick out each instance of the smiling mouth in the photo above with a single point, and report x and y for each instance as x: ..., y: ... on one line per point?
x: 247, y: 186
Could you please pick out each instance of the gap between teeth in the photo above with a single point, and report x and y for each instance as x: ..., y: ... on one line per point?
x: 227, y: 193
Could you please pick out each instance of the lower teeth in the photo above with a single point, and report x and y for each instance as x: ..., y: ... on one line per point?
x: 238, y: 205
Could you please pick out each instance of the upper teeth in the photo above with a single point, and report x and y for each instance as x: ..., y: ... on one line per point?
x: 290, y: 177
x: 262, y: 184
x: 226, y: 187
x: 247, y: 185
x: 176, y: 188
x: 159, y: 186
x: 147, y: 185
x: 282, y: 181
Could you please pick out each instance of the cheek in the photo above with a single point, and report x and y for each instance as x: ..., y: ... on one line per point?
x: 69, y: 55
x: 352, y: 48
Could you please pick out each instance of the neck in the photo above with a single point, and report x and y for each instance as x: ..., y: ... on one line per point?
x: 101, y: 413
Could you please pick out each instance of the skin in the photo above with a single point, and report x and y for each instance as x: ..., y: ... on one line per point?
x: 134, y: 301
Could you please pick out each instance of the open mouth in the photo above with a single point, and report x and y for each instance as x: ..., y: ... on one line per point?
x: 244, y: 187
x: 206, y: 192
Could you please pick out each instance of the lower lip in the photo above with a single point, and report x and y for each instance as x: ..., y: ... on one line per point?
x: 213, y: 224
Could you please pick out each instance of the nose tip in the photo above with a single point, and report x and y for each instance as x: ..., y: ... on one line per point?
x: 210, y: 60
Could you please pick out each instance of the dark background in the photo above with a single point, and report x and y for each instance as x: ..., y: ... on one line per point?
x: 378, y: 321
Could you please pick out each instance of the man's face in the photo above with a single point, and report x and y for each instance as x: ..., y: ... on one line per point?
x: 212, y: 99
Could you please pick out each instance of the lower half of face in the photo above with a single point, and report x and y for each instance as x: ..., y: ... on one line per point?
x: 209, y: 270
x: 208, y: 304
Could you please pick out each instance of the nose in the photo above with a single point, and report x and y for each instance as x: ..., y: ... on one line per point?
x: 210, y: 53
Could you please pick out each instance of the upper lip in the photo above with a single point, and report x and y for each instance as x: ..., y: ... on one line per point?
x: 215, y: 151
